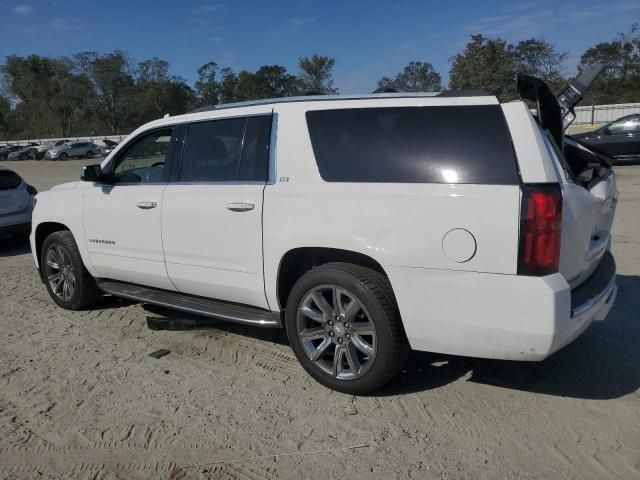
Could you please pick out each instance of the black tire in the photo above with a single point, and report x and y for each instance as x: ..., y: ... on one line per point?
x: 89, y: 154
x: 63, y: 156
x: 22, y: 156
x: 86, y: 293
x: 374, y: 292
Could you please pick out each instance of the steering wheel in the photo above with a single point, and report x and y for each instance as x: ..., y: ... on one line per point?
x: 157, y: 164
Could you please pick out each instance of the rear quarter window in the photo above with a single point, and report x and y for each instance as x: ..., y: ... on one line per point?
x: 445, y: 144
x: 9, y: 180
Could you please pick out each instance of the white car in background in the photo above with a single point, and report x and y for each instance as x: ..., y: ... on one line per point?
x: 73, y: 150
x: 16, y: 204
x: 366, y: 225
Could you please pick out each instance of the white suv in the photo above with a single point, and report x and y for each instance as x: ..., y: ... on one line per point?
x: 365, y: 226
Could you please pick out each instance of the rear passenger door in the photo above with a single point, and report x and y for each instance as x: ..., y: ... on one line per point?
x: 212, y: 210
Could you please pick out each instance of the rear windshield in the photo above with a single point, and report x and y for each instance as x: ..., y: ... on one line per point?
x: 449, y: 144
x: 9, y: 179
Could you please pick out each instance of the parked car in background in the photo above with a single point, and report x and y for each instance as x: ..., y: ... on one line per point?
x: 16, y: 203
x: 25, y: 152
x: 73, y: 149
x: 4, y: 149
x: 41, y: 150
x: 620, y: 139
x: 4, y: 153
x: 110, y: 146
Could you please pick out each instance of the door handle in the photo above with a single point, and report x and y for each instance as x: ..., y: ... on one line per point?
x: 240, y: 206
x: 146, y: 205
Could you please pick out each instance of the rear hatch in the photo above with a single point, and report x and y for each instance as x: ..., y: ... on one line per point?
x: 13, y: 193
x: 588, y: 182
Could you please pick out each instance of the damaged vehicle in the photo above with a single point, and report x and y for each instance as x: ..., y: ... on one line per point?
x: 365, y: 225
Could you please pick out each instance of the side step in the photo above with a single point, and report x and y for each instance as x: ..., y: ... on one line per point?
x: 232, y: 312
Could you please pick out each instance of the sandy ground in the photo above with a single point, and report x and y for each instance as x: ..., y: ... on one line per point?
x: 81, y: 398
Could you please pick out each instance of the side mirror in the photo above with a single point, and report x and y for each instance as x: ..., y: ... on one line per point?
x: 606, y: 131
x: 92, y: 173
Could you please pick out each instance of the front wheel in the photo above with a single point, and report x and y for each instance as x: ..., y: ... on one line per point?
x: 68, y: 282
x: 63, y: 156
x: 344, y: 327
x: 89, y: 154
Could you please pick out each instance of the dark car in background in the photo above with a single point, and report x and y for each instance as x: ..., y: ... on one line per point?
x: 25, y: 152
x: 619, y: 139
x: 5, y: 151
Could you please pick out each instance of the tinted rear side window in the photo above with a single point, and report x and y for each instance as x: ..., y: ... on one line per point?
x: 212, y: 151
x: 254, y: 164
x: 448, y: 144
x: 9, y: 179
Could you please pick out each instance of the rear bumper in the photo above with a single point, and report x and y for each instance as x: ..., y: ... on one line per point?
x: 508, y: 317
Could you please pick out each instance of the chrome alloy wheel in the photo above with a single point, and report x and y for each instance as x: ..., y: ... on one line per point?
x: 337, y: 332
x: 59, y: 272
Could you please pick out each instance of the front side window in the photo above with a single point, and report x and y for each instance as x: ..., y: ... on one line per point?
x: 212, y: 151
x: 144, y: 160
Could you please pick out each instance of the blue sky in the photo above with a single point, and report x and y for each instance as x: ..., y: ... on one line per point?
x: 367, y: 39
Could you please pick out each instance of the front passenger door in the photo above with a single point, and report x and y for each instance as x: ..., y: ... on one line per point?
x: 212, y: 212
x: 122, y: 218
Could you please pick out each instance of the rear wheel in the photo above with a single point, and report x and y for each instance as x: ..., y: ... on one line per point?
x: 68, y: 282
x: 344, y: 327
x: 89, y: 154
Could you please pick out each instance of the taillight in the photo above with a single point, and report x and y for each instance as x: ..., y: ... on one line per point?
x: 540, y: 230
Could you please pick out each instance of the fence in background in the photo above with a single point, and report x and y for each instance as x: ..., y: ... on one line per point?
x: 601, y: 114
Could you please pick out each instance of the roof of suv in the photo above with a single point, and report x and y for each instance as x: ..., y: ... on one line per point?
x: 329, y: 98
x: 453, y: 97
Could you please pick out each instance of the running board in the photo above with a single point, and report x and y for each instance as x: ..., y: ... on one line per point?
x: 231, y: 312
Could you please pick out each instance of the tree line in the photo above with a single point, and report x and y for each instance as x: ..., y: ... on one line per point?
x: 91, y: 93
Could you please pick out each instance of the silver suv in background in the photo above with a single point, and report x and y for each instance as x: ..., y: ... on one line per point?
x: 16, y: 203
x: 73, y: 149
x: 41, y: 150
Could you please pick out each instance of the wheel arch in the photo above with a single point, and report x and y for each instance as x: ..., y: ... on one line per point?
x: 42, y: 231
x: 297, y: 261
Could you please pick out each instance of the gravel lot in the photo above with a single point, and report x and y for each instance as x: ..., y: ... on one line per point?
x: 81, y: 398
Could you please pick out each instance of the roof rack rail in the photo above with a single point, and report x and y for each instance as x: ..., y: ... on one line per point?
x: 206, y: 108
x: 471, y: 92
x: 329, y: 98
x: 386, y: 90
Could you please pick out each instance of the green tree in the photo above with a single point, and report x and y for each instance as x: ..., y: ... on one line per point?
x: 114, y: 88
x: 48, y: 86
x: 153, y: 70
x: 541, y: 59
x: 485, y: 64
x: 416, y: 77
x: 281, y: 83
x: 5, y: 117
x: 621, y: 81
x: 227, y: 89
x: 316, y: 74
x: 207, y: 84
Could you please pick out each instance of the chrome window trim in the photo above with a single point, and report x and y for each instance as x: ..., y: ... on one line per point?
x: 223, y: 182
